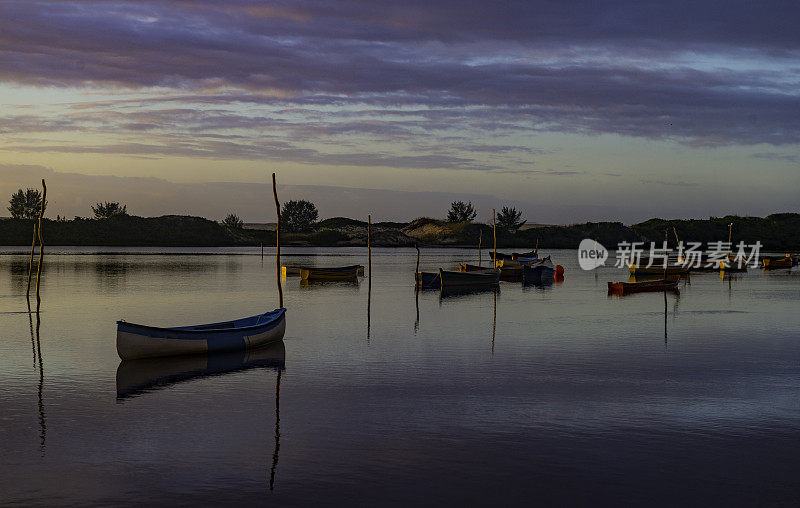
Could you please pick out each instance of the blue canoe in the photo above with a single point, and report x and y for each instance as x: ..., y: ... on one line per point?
x: 141, y: 341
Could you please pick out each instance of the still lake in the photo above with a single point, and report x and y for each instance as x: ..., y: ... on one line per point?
x: 532, y: 395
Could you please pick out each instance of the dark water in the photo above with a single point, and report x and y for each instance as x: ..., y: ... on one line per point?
x: 533, y: 395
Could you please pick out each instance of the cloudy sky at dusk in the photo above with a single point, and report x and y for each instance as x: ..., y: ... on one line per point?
x: 570, y: 110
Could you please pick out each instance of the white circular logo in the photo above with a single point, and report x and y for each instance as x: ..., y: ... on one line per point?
x: 591, y: 254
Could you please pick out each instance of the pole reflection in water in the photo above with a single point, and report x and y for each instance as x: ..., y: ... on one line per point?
x: 494, y: 320
x: 277, y: 431
x: 416, y: 301
x: 369, y: 303
x: 665, y: 320
x: 33, y: 341
x: 42, y: 419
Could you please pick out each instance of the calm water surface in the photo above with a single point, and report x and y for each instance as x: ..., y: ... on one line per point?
x: 532, y: 395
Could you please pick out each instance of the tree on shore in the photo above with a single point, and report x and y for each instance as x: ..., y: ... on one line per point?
x: 109, y: 209
x: 298, y: 216
x: 461, y: 212
x: 233, y: 221
x: 509, y: 219
x: 26, y: 204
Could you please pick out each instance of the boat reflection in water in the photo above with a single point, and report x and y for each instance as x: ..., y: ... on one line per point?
x: 543, y: 283
x: 315, y: 284
x: 135, y: 377
x: 457, y: 292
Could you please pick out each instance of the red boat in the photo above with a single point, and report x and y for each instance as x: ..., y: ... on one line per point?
x: 668, y: 284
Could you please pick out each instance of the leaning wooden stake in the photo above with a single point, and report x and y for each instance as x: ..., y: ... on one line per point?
x: 417, y: 276
x: 494, y: 235
x: 41, y: 244
x: 30, y: 265
x: 277, y: 241
x: 369, y: 249
x: 730, y: 233
x: 666, y: 261
x: 369, y: 274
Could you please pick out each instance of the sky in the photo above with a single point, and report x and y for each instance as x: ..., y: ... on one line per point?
x: 569, y: 111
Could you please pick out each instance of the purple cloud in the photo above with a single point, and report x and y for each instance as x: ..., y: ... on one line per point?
x: 424, y: 74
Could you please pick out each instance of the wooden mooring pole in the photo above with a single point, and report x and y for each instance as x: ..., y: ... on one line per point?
x: 30, y: 265
x: 41, y: 244
x: 494, y: 235
x: 369, y: 276
x: 480, y: 237
x: 277, y: 242
x: 369, y: 248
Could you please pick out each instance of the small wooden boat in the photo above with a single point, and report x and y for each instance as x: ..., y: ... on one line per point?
x: 139, y: 376
x: 477, y: 278
x: 514, y: 255
x: 511, y: 274
x: 141, y: 341
x: 776, y: 262
x: 515, y: 264
x: 290, y: 271
x: 294, y: 271
x: 427, y: 280
x: 732, y: 266
x: 336, y: 273
x: 642, y: 269
x: 523, y: 255
x: 668, y: 284
x: 508, y: 272
x: 537, y: 272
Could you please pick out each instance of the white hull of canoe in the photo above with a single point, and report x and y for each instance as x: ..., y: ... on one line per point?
x: 132, y: 346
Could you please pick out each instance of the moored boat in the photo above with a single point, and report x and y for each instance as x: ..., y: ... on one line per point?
x: 427, y: 280
x: 511, y: 274
x: 477, y: 278
x: 515, y: 264
x: 668, y: 284
x: 142, y: 341
x: 509, y: 270
x: 534, y: 254
x: 776, y: 262
x: 290, y: 271
x: 537, y: 272
x: 515, y: 255
x: 335, y: 273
